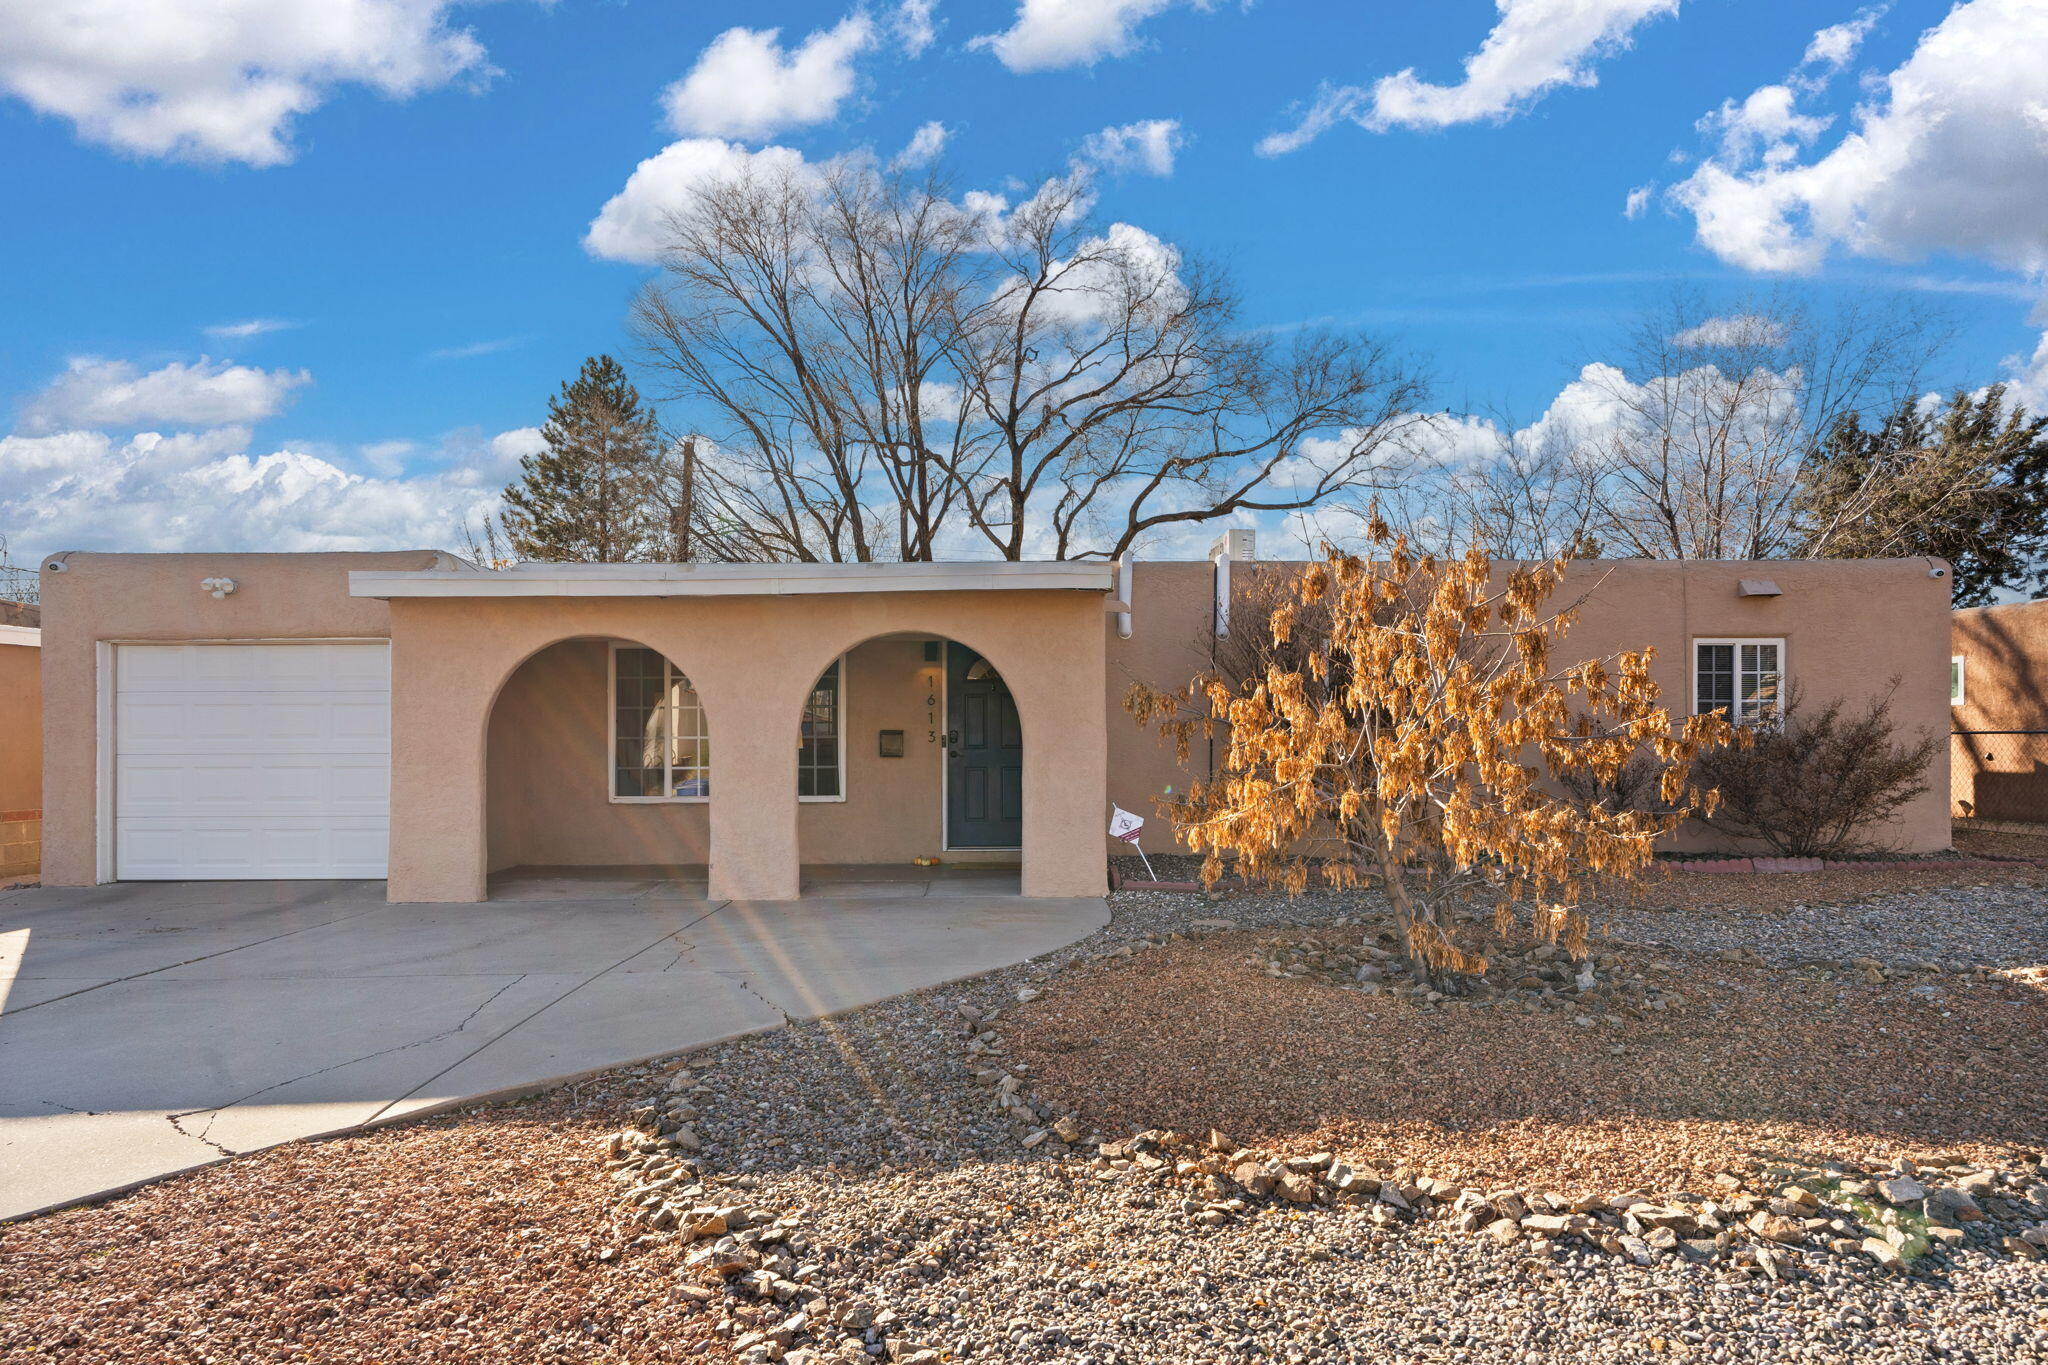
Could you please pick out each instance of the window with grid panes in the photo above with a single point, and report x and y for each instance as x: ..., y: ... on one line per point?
x: 661, y: 747
x: 821, y: 752
x: 1742, y: 677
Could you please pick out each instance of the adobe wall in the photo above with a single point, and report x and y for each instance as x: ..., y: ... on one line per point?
x: 1849, y: 627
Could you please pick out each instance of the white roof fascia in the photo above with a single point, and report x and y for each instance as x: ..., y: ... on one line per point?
x: 21, y: 635
x: 731, y: 580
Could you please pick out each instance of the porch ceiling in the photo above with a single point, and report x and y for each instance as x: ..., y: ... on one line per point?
x: 730, y: 580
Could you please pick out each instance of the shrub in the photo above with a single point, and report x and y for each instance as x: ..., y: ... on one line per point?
x: 1817, y: 781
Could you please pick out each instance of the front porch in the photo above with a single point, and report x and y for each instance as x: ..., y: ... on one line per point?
x: 774, y: 727
x: 825, y: 882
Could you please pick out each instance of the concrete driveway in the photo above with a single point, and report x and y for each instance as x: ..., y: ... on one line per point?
x: 147, y: 1028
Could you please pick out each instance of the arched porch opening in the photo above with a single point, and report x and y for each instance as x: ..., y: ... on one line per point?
x: 910, y: 771
x: 598, y: 767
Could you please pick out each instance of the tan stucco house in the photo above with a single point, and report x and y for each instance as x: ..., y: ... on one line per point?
x: 1998, y: 700
x: 408, y: 716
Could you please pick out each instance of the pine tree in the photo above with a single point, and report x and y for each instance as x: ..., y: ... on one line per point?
x: 585, y: 499
x: 1966, y: 481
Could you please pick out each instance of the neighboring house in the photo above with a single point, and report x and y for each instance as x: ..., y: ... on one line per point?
x: 364, y: 715
x: 21, y: 747
x: 1998, y: 699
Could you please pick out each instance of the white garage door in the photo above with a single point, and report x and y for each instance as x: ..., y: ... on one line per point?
x: 246, y: 761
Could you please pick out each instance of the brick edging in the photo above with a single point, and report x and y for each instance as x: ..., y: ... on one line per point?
x: 8, y: 817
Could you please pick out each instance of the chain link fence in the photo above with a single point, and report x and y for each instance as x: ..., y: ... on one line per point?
x: 1999, y: 776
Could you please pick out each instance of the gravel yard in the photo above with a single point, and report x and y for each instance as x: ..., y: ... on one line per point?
x: 468, y: 1237
x: 880, y: 1206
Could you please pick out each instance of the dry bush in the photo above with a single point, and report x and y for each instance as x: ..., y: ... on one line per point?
x: 1816, y: 782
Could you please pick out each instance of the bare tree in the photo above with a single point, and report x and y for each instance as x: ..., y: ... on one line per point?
x: 874, y: 371
x: 1692, y: 440
x: 1713, y: 414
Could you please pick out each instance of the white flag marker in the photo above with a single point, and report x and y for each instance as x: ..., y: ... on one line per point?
x: 1126, y: 826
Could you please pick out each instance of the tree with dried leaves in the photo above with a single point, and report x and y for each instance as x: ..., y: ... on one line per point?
x: 1404, y: 720
x: 874, y: 371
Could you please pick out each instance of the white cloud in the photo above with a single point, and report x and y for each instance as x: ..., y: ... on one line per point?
x: 1536, y: 46
x: 471, y: 350
x: 2027, y: 378
x: 252, y: 327
x: 914, y: 26
x: 923, y: 148
x: 95, y: 392
x: 1048, y: 34
x: 633, y: 224
x: 220, y: 80
x: 1148, y: 146
x: 206, y: 491
x: 1638, y: 202
x: 1834, y: 47
x: 746, y: 86
x: 512, y: 446
x: 1950, y: 157
x: 1736, y: 329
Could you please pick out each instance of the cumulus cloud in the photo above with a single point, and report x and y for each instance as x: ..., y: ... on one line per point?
x: 1950, y: 156
x: 923, y: 148
x: 746, y: 86
x: 1638, y: 202
x: 633, y: 224
x: 221, y: 80
x: 96, y: 392
x: 1835, y: 46
x: 207, y: 491
x: 1536, y: 46
x: 1148, y: 146
x: 1737, y: 329
x: 914, y: 27
x: 1049, y: 34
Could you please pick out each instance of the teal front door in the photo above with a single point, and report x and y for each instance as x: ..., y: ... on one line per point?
x: 984, y: 755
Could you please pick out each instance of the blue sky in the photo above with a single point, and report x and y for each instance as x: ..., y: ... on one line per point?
x: 417, y: 228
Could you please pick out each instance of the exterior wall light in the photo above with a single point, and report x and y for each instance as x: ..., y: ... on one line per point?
x: 219, y: 587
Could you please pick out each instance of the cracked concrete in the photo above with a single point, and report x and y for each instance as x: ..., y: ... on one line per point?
x: 148, y: 1029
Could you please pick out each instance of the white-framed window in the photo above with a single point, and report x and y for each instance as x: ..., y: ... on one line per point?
x: 661, y: 744
x: 821, y: 738
x: 1745, y: 678
x: 1955, y: 680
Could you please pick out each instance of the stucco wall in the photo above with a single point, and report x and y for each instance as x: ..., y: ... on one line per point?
x: 550, y: 790
x: 21, y: 758
x: 752, y: 659
x: 101, y: 597
x: 1849, y: 627
x: 2001, y: 776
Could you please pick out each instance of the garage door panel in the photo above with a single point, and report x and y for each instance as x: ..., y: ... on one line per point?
x: 247, y: 761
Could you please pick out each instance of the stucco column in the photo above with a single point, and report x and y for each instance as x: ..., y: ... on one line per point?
x: 754, y: 714
x: 441, y: 697
x: 1066, y: 759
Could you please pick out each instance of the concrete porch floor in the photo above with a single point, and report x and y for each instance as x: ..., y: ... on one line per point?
x: 146, y: 1028
x: 862, y: 881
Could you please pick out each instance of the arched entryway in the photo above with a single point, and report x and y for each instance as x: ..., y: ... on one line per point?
x: 910, y: 768
x: 599, y: 765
